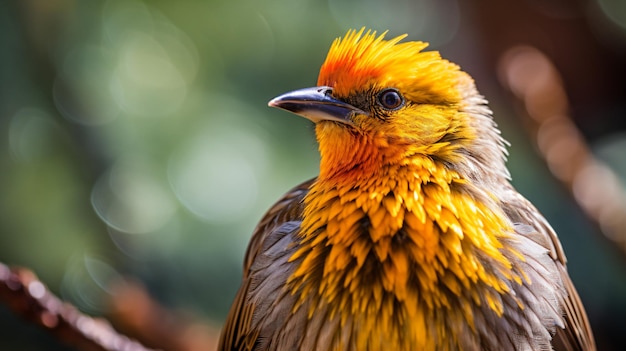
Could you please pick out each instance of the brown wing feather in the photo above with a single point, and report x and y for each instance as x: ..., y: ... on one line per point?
x: 576, y: 334
x: 236, y: 333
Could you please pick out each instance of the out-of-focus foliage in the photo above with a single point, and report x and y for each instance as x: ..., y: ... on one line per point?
x: 135, y: 139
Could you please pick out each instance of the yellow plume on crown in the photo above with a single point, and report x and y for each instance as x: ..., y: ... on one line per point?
x: 362, y: 59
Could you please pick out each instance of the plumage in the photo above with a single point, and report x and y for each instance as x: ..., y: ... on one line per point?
x: 411, y: 237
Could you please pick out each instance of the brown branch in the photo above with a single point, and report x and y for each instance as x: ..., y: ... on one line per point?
x: 28, y: 297
x: 534, y: 81
x: 134, y: 312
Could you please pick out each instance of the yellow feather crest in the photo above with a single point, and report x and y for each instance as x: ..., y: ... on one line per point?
x: 361, y: 60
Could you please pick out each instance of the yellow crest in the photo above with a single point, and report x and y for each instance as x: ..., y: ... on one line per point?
x: 361, y: 60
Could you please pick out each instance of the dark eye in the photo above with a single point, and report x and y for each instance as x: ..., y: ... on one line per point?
x: 390, y: 99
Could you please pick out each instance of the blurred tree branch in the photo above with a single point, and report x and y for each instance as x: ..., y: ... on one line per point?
x: 134, y: 312
x: 28, y: 297
x: 537, y: 86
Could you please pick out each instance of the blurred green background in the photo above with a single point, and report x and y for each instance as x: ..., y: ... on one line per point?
x: 135, y: 139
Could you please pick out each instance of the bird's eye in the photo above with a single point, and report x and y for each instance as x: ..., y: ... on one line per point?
x: 390, y: 99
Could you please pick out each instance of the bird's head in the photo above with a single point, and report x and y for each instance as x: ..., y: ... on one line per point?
x: 384, y: 101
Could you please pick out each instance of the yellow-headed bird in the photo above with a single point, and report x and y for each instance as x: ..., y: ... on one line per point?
x: 411, y: 237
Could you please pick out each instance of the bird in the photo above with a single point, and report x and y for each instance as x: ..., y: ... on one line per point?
x: 411, y: 237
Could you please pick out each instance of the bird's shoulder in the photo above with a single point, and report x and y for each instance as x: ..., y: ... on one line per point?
x: 269, y: 246
x: 287, y: 209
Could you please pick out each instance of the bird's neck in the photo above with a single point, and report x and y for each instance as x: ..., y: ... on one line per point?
x: 355, y: 158
x: 345, y: 153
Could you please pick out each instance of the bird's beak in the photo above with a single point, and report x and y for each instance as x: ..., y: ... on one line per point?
x: 316, y: 104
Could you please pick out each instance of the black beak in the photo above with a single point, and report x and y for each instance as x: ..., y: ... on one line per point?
x: 316, y: 104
